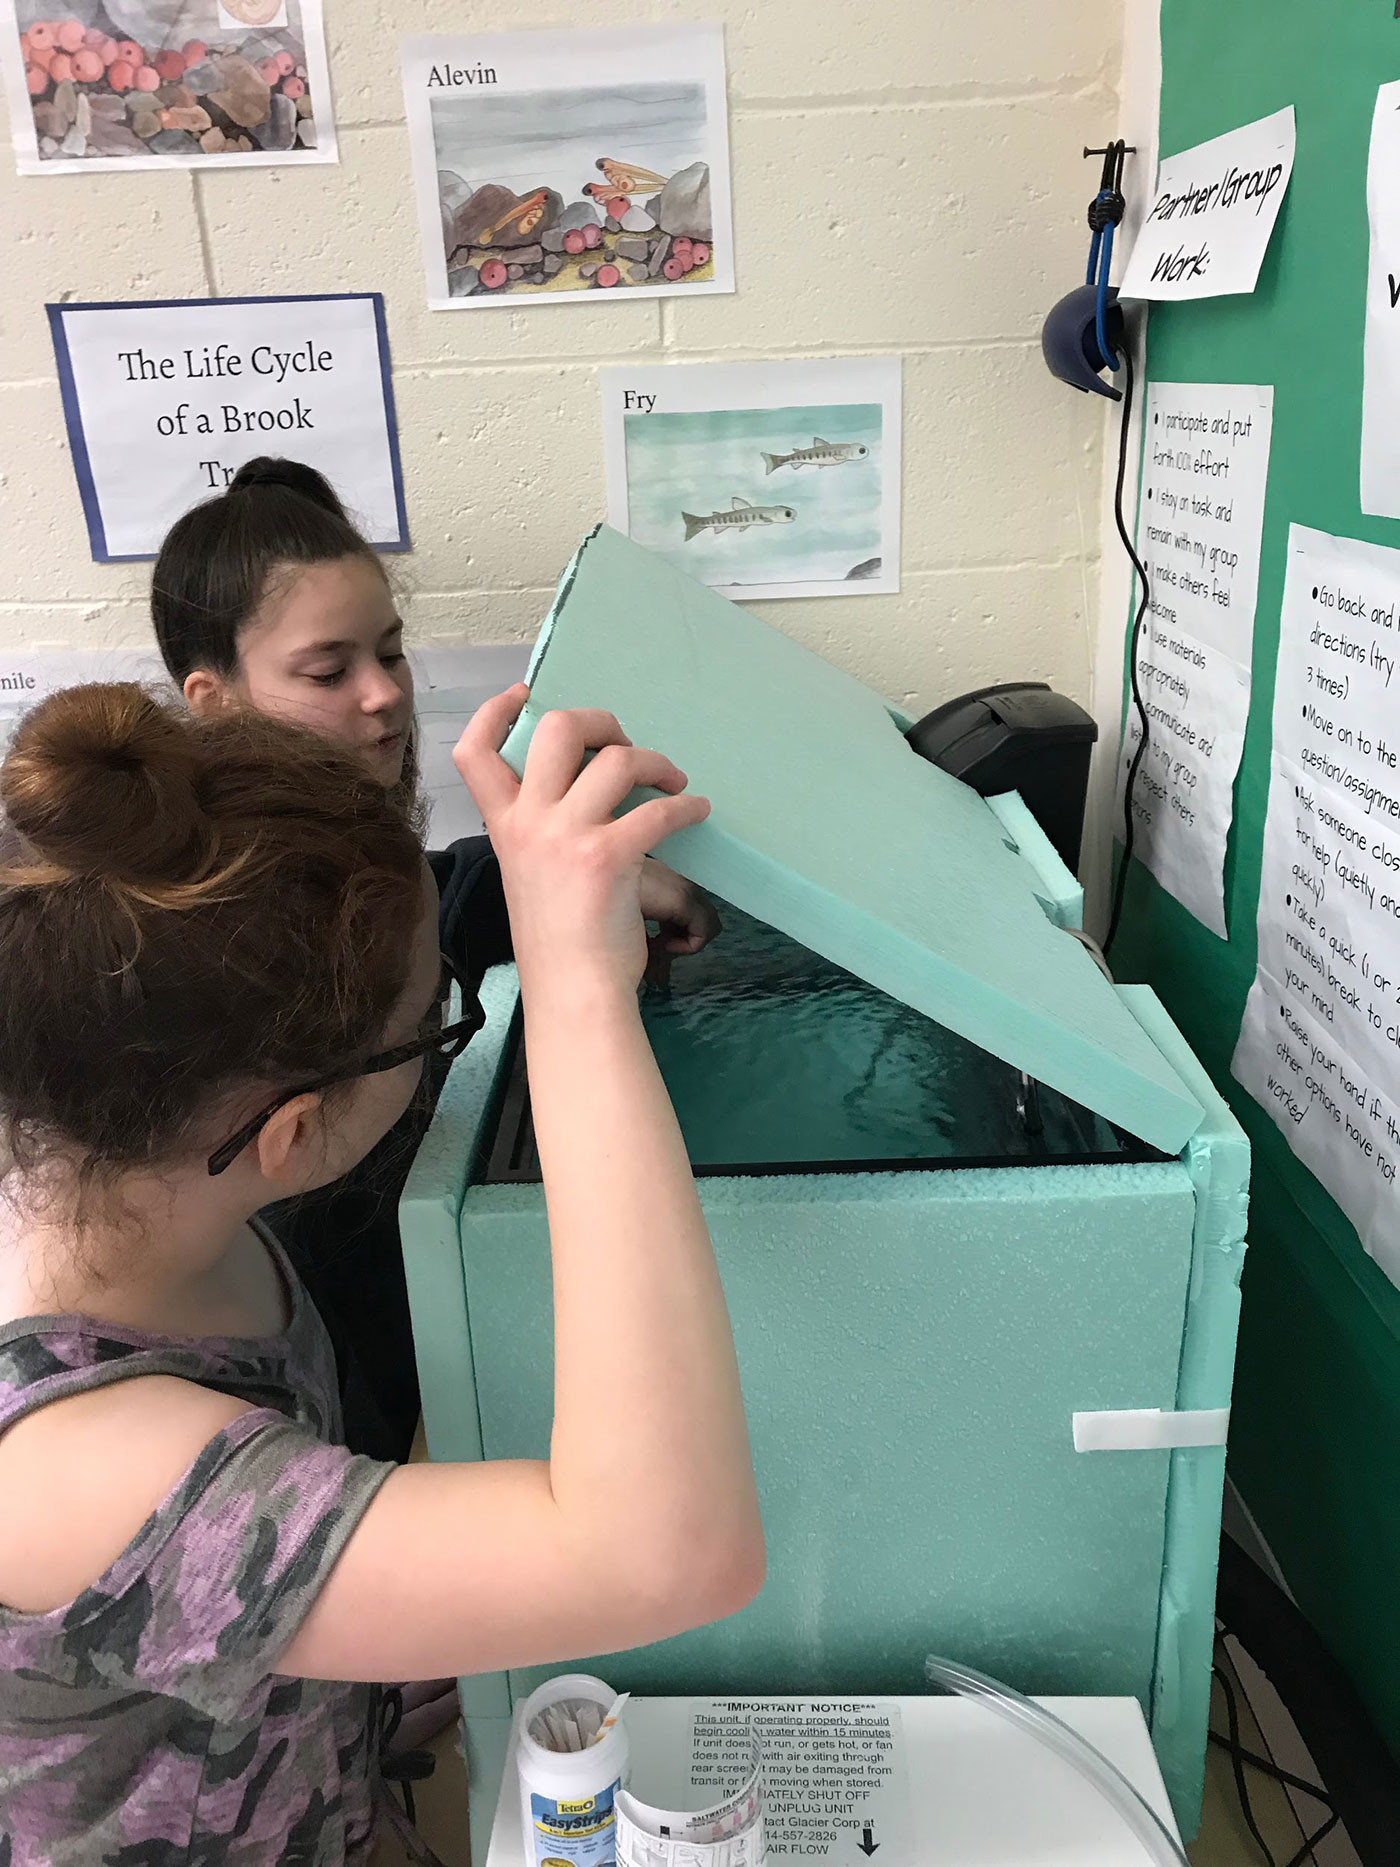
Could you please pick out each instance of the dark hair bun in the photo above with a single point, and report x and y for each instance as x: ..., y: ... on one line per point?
x: 101, y: 781
x: 292, y: 476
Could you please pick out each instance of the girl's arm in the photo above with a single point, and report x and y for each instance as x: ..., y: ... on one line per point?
x: 643, y: 1520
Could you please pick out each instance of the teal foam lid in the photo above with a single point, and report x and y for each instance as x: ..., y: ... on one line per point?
x: 826, y: 824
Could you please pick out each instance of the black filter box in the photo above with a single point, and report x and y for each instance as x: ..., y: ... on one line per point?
x: 1022, y: 737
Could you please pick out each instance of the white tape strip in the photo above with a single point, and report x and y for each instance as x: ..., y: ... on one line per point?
x: 1149, y: 1429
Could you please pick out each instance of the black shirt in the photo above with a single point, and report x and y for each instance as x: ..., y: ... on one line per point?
x: 344, y: 1238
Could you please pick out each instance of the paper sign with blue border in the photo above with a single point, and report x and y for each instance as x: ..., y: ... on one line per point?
x: 166, y: 399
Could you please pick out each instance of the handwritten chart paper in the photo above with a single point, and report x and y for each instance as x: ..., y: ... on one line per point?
x: 1320, y: 1043
x: 1208, y: 228
x: 165, y: 401
x: 1380, y: 400
x: 1200, y: 514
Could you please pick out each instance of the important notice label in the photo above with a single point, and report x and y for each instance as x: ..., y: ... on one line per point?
x: 835, y: 1776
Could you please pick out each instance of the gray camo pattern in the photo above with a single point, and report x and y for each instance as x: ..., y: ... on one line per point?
x: 142, y: 1725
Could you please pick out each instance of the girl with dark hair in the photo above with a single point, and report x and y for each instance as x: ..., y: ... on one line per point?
x: 219, y: 946
x: 267, y: 598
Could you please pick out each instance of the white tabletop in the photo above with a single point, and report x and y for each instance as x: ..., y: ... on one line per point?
x: 981, y: 1793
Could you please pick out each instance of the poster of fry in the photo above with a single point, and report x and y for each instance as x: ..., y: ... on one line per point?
x: 158, y: 84
x: 760, y: 479
x: 552, y: 164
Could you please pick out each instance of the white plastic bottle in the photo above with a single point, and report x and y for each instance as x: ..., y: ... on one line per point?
x: 568, y: 1797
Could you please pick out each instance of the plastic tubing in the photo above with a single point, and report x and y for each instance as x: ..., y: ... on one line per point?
x: 962, y: 1682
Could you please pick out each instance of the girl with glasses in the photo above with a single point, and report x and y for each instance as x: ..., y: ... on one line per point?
x: 267, y: 598
x: 219, y: 947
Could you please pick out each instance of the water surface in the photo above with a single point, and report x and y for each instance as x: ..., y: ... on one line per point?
x: 773, y: 1054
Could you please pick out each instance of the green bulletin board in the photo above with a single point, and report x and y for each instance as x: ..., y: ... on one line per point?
x: 1315, y: 1434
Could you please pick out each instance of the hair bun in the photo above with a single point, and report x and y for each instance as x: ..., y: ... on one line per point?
x: 101, y: 781
x: 292, y: 476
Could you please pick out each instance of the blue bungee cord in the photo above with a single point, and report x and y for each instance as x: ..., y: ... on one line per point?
x: 1105, y: 213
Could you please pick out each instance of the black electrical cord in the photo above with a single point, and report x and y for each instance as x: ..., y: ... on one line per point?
x: 1267, y: 1768
x: 404, y: 1767
x: 1133, y: 642
x: 1239, y: 1757
x: 1362, y: 1776
x: 1232, y: 1716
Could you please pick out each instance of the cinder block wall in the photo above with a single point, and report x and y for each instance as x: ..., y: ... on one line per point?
x: 907, y: 179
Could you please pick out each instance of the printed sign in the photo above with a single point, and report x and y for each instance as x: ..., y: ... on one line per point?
x: 165, y: 401
x: 1213, y: 212
x: 835, y: 1775
x: 28, y: 676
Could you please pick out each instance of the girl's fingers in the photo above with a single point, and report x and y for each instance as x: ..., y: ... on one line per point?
x: 556, y: 773
x: 614, y: 774
x: 658, y: 966
x: 557, y: 750
x: 675, y: 944
x: 477, y: 754
x: 639, y: 832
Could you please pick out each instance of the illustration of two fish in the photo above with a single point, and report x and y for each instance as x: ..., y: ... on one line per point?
x: 741, y: 515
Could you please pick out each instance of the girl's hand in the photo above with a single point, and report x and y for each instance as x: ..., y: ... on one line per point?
x: 572, y: 871
x: 686, y: 921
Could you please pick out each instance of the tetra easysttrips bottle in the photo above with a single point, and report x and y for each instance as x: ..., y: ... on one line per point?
x: 567, y: 1795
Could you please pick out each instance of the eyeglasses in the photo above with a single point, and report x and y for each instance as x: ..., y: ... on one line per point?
x: 447, y: 1041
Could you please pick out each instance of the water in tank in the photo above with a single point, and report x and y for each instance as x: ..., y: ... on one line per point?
x: 774, y: 1056
x: 778, y: 1061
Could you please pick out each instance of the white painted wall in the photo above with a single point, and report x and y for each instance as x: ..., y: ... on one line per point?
x: 907, y: 178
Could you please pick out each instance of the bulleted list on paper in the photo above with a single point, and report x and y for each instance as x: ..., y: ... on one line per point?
x: 1320, y: 1044
x: 1200, y: 516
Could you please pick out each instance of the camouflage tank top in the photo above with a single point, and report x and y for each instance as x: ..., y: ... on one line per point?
x: 144, y: 1724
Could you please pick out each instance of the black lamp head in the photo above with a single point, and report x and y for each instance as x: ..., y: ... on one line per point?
x: 1069, y: 340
